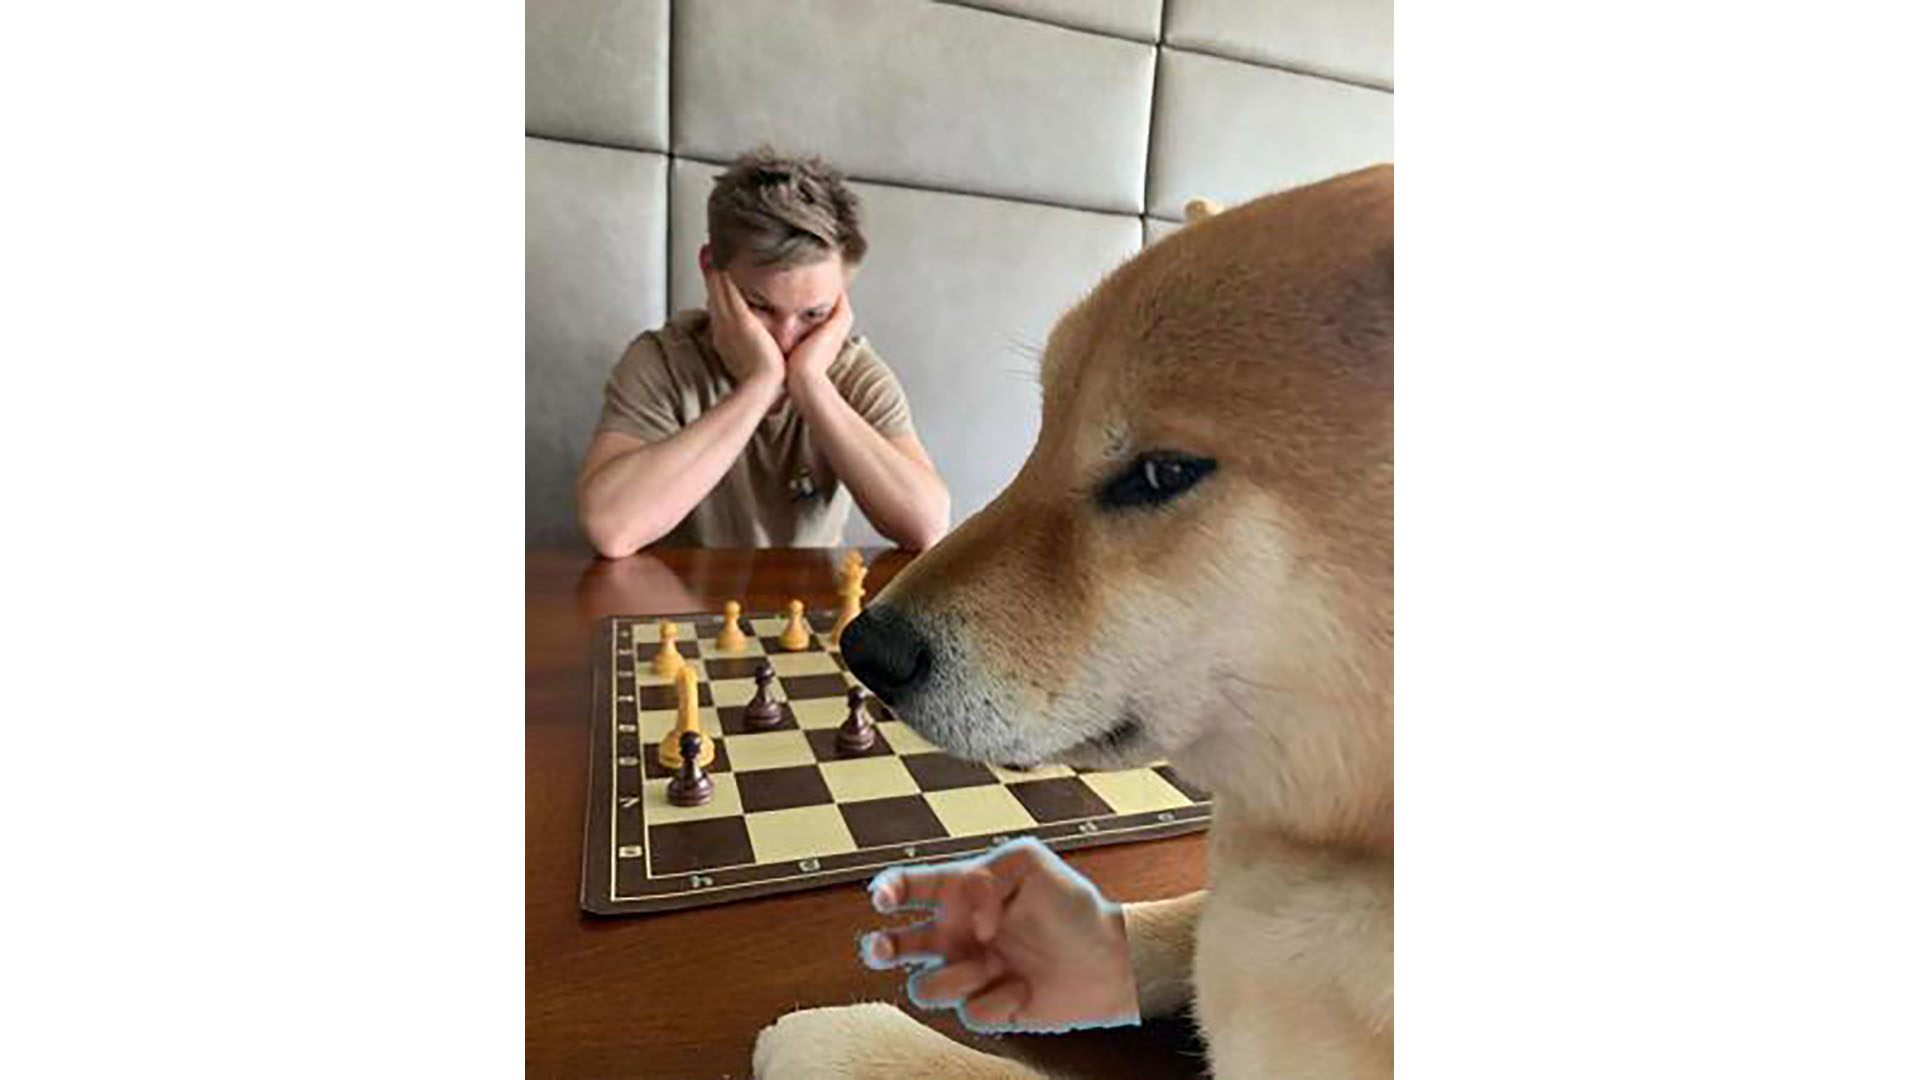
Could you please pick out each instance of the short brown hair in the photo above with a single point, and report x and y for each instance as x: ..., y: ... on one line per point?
x: 783, y: 211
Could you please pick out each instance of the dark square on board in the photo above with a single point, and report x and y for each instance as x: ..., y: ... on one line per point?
x: 808, y: 687
x: 1063, y: 799
x: 902, y: 819
x: 782, y: 789
x: 699, y: 845
x: 653, y: 698
x: 939, y: 772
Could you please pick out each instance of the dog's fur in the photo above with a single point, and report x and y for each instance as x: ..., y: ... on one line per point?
x: 1243, y: 630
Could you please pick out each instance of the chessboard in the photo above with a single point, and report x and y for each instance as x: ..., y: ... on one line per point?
x: 790, y: 811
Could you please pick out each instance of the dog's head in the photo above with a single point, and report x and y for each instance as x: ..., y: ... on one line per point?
x: 1196, y: 561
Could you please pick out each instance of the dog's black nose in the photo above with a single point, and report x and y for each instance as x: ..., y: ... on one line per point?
x: 886, y: 651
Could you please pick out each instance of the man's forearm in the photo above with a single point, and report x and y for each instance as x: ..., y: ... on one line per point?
x: 630, y: 501
x: 902, y: 497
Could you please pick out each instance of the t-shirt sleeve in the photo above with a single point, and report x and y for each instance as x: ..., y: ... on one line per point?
x: 873, y: 391
x: 641, y: 399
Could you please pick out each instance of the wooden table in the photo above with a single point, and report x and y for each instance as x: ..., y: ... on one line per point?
x: 682, y: 995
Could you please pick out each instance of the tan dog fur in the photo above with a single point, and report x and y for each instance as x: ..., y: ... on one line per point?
x: 1247, y: 625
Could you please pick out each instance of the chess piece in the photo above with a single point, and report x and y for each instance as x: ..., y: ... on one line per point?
x: 852, y: 588
x: 797, y: 636
x: 690, y: 786
x: 856, y: 734
x: 763, y: 713
x: 853, y: 560
x: 668, y: 660
x: 731, y: 638
x: 688, y: 685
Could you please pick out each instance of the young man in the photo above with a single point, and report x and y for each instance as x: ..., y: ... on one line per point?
x: 760, y: 420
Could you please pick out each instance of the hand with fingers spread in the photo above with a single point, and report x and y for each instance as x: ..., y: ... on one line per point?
x: 749, y: 352
x: 1018, y: 941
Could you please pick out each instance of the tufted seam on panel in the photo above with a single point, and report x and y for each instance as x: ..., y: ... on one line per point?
x: 1291, y: 69
x: 1075, y: 27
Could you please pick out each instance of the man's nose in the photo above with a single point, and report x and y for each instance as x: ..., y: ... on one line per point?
x: 787, y: 334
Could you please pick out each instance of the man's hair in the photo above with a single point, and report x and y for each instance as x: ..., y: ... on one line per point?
x: 783, y: 211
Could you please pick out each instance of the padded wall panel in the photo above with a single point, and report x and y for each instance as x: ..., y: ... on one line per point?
x: 596, y: 277
x: 597, y: 71
x: 1347, y: 39
x: 1156, y: 228
x: 958, y: 294
x: 1231, y: 131
x: 917, y: 93
x: 1136, y: 19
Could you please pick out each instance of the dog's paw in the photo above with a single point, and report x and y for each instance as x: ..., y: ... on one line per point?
x: 869, y: 1041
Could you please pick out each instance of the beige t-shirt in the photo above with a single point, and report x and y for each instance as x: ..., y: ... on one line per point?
x: 781, y: 492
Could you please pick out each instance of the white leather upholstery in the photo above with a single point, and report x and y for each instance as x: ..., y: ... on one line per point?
x: 1346, y: 39
x: 1136, y: 19
x: 1008, y: 152
x: 597, y: 71
x: 932, y: 95
x: 1209, y: 110
x: 596, y: 277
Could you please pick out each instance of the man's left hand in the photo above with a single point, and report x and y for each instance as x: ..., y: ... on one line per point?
x: 816, y: 351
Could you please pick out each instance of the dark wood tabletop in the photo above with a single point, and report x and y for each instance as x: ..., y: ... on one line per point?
x: 682, y: 994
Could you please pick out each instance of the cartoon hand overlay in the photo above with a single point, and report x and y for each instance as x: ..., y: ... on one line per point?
x: 1019, y: 941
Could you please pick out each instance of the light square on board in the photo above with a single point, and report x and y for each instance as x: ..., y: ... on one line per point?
x: 804, y: 663
x: 979, y: 810
x: 903, y: 739
x: 819, y: 712
x: 732, y: 691
x: 768, y: 750
x: 867, y: 778
x: 800, y: 833
x: 1135, y: 791
x: 725, y: 802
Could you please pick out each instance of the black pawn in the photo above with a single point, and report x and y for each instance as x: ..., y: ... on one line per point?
x: 691, y: 786
x: 763, y: 712
x: 856, y: 734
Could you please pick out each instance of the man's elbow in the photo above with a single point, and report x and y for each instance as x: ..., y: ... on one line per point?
x: 926, y: 532
x: 613, y: 540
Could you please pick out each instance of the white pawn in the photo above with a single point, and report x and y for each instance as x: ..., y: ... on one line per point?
x: 796, y: 637
x: 668, y: 661
x: 730, y: 638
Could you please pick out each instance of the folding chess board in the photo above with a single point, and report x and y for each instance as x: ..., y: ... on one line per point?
x: 789, y: 811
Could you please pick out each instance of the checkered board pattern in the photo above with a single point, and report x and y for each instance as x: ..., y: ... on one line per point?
x: 789, y: 811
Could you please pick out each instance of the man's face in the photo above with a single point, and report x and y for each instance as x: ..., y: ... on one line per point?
x: 791, y: 302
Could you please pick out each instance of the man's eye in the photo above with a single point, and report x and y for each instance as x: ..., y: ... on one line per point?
x: 815, y: 316
x: 1153, y: 478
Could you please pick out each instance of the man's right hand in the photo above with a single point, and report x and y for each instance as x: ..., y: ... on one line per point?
x: 750, y: 353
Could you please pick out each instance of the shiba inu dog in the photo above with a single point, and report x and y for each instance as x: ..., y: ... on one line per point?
x: 1195, y: 563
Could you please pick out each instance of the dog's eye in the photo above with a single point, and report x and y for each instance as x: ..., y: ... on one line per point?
x: 1154, y: 478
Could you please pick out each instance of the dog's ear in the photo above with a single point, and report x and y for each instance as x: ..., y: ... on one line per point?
x: 1201, y: 209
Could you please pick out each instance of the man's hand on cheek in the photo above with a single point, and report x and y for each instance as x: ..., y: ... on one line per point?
x: 815, y: 352
x: 746, y: 347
